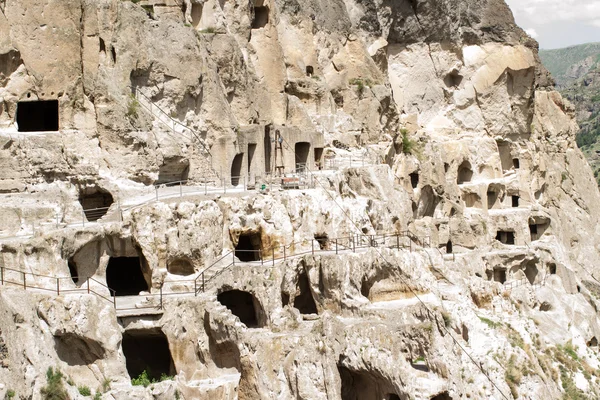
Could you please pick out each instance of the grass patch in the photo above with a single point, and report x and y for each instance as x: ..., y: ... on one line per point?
x: 144, y: 380
x: 209, y: 30
x: 409, y: 146
x: 133, y: 106
x: 10, y: 394
x: 55, y: 388
x: 513, y: 376
x: 571, y: 391
x: 84, y: 390
x: 489, y: 322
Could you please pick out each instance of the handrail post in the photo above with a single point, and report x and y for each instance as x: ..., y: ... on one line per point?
x: 398, y: 242
x: 57, y: 287
x: 161, y: 297
x: 196, y: 287
x: 336, y: 246
x: 284, y: 252
x: 224, y: 186
x: 180, y: 189
x: 353, y: 244
x: 88, y: 286
x: 205, y: 186
x: 156, y: 190
x: 203, y: 282
x: 273, y: 256
x: 312, y: 247
x: 24, y: 281
x: 233, y: 257
x: 261, y: 257
x: 83, y: 217
x: 2, y: 274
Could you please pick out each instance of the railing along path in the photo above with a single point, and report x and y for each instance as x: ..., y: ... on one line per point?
x: 202, y: 281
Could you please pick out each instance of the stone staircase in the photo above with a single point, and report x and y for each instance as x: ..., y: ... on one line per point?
x: 179, y: 129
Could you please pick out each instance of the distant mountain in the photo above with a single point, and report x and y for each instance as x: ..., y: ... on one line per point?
x: 576, y: 70
x: 571, y: 63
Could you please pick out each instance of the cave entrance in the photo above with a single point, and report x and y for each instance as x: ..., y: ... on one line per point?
x: 531, y: 272
x: 261, y: 17
x: 251, y: 151
x: 500, y: 275
x: 537, y: 228
x: 516, y: 163
x: 181, y: 266
x: 249, y: 247
x: 302, y: 150
x: 310, y: 70
x: 304, y: 301
x: 414, y: 180
x: 124, y: 275
x: 267, y: 145
x: 471, y: 200
x: 319, y: 157
x: 95, y: 202
x: 515, y: 201
x: 73, y: 271
x: 492, y: 199
x: 236, y: 169
x: 147, y: 350
x: 427, y: 202
x: 465, y: 173
x: 173, y: 171
x: 506, y: 237
x: 449, y: 247
x: 196, y: 15
x: 363, y: 386
x: 442, y: 396
x: 37, y: 116
x: 323, y: 240
x: 241, y: 304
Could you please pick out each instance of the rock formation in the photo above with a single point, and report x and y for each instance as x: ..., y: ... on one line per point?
x: 277, y: 199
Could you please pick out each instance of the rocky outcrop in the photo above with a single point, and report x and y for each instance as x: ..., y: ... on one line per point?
x: 435, y: 234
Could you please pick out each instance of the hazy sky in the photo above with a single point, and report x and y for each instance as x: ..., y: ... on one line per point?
x: 559, y: 23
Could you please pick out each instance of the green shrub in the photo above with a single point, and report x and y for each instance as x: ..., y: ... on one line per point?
x: 210, y: 29
x: 409, y: 146
x: 490, y: 323
x: 84, y: 390
x: 142, y: 380
x: 165, y: 377
x: 105, y: 385
x: 133, y: 106
x: 10, y: 394
x: 98, y: 396
x: 54, y: 389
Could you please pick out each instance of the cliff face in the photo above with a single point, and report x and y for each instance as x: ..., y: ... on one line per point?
x: 435, y: 236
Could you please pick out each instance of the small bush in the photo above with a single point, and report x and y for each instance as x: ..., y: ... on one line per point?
x: 98, y: 396
x: 84, y: 390
x: 513, y: 376
x: 142, y: 380
x: 447, y: 319
x: 210, y: 29
x: 132, y: 107
x: 409, y: 146
x: 10, y: 394
x: 105, y: 385
x: 54, y: 389
x: 490, y: 323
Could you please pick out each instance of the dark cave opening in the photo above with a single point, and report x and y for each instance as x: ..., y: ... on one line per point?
x: 241, y: 304
x: 37, y: 116
x: 304, y: 301
x: 147, y: 350
x: 248, y: 247
x: 124, y: 275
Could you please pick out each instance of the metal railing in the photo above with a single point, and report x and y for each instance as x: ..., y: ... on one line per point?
x: 200, y: 283
x: 151, y: 106
x: 511, y: 285
x: 45, y: 283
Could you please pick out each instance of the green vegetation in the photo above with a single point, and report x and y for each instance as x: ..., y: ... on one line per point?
x: 490, y: 323
x: 54, y: 389
x: 513, y: 376
x: 133, y: 107
x: 571, y: 391
x: 210, y: 29
x: 98, y: 396
x: 559, y: 61
x: 84, y: 390
x: 105, y: 385
x: 361, y: 84
x: 144, y: 380
x: 10, y: 394
x: 447, y: 319
x: 409, y: 146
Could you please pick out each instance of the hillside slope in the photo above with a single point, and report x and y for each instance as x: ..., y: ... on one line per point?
x: 577, y: 73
